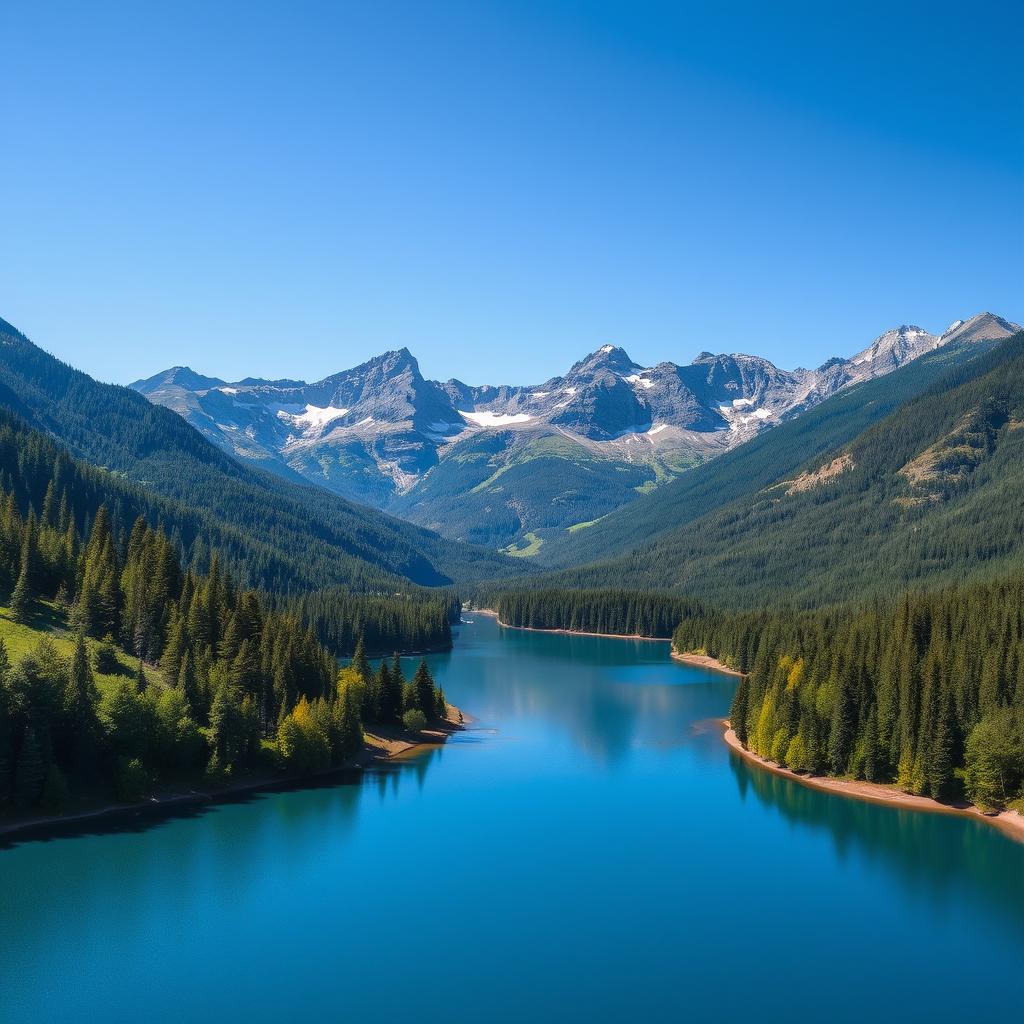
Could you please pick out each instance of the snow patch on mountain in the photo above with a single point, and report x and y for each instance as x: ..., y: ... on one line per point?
x: 312, y: 417
x: 496, y: 419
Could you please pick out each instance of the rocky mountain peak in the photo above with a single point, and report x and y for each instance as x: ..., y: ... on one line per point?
x: 607, y: 357
x: 176, y: 377
x: 980, y: 327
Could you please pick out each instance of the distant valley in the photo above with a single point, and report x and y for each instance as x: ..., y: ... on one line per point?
x: 511, y: 467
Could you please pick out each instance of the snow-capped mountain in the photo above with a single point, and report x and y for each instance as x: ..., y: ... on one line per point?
x: 493, y: 463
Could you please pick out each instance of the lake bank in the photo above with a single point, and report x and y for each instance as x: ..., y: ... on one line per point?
x: 377, y: 748
x: 491, y: 613
x: 706, y: 661
x: 1010, y: 823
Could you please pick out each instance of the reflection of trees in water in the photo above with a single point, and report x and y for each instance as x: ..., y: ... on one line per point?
x: 933, y: 855
x: 607, y: 711
x: 226, y: 847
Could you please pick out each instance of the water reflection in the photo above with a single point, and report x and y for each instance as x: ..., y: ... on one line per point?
x: 904, y: 842
x: 98, y: 864
x: 610, y: 696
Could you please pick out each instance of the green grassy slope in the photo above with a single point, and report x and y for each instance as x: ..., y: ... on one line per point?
x: 48, y: 621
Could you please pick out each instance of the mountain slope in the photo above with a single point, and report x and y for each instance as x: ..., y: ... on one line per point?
x: 756, y: 463
x: 933, y: 491
x: 314, y: 538
x: 492, y: 465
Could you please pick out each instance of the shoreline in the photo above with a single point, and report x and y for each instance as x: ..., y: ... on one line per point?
x: 376, y: 749
x: 694, y: 660
x: 490, y: 612
x: 706, y: 661
x: 1010, y: 823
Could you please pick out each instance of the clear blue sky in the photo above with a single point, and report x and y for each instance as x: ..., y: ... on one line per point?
x: 284, y: 189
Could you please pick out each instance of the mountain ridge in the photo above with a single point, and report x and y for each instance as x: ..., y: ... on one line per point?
x: 455, y: 457
x: 308, y: 537
x: 923, y: 494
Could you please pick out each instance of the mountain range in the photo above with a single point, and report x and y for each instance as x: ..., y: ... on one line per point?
x: 514, y: 467
x: 286, y: 537
x: 913, y: 479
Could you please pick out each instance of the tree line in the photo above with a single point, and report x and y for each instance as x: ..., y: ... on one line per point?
x: 925, y: 692
x: 625, y: 612
x: 417, y: 620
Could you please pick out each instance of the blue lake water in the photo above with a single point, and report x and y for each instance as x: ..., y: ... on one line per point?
x: 588, y: 850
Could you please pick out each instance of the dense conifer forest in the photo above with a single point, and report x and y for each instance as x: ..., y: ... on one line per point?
x: 623, y: 612
x: 404, y: 617
x: 413, y: 621
x: 202, y: 678
x: 926, y: 691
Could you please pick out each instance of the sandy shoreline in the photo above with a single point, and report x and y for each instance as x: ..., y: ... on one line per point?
x: 704, y: 661
x: 377, y: 749
x: 568, y: 632
x: 1010, y: 823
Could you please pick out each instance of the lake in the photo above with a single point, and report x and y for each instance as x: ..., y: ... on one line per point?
x: 588, y: 849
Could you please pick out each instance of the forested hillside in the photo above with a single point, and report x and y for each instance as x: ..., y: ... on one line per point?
x: 297, y: 536
x: 926, y: 692
x: 755, y: 464
x: 931, y: 493
x: 33, y: 469
x: 218, y: 682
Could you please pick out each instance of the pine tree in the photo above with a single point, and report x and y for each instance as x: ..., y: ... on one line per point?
x: 24, y: 589
x: 21, y: 597
x: 360, y: 663
x: 390, y: 691
x: 738, y: 711
x: 30, y: 771
x: 423, y: 685
x: 227, y: 728
x: 175, y: 647
x: 351, y: 728
x: 81, y: 701
x: 841, y: 731
x: 872, y: 753
x: 187, y: 684
x: 396, y: 672
x: 940, y: 768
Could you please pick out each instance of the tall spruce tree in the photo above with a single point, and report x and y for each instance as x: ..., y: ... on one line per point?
x: 423, y: 687
x: 81, y: 703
